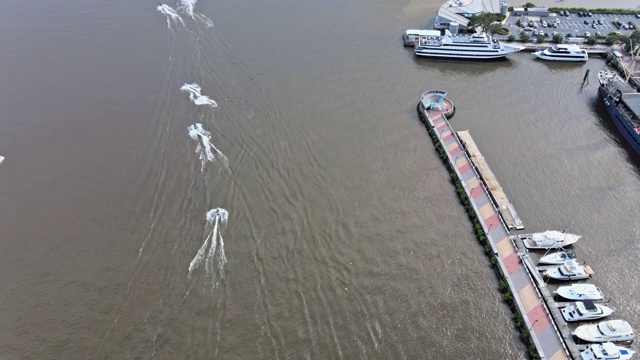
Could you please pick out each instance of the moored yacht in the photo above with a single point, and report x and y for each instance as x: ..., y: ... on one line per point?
x: 563, y: 52
x: 570, y: 270
x: 550, y: 239
x: 580, y: 292
x: 585, y: 310
x: 476, y: 46
x: 606, y: 351
x: 610, y: 330
x: 557, y: 258
x: 623, y: 105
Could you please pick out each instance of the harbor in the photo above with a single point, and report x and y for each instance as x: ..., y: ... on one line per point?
x: 537, y: 304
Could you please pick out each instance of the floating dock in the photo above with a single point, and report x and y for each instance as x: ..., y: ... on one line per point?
x: 507, y: 212
x: 532, y: 298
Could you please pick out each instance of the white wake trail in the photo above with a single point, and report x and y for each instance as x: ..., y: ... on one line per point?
x: 205, y: 149
x: 196, y: 96
x: 212, y: 250
x: 197, y: 260
x: 171, y: 15
x: 215, y: 217
x: 187, y: 7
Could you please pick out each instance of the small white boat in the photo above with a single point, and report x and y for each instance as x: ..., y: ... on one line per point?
x: 606, y: 351
x: 580, y: 292
x: 570, y: 270
x: 557, y: 258
x: 610, y: 330
x: 585, y: 310
x: 563, y: 52
x: 550, y: 239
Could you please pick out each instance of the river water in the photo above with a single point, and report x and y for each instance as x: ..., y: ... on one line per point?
x: 250, y: 180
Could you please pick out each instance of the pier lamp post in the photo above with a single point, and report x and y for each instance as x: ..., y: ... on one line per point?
x: 441, y: 131
x: 534, y: 323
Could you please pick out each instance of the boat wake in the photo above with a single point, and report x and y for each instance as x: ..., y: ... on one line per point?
x: 206, y: 150
x: 215, y: 218
x: 186, y: 7
x: 196, y: 96
x: 171, y: 14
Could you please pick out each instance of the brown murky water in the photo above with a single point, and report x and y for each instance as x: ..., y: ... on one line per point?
x: 344, y: 236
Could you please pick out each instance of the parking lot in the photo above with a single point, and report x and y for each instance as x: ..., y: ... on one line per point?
x: 597, y: 24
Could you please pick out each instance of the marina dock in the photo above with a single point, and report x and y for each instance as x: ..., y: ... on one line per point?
x: 506, y: 210
x: 544, y: 323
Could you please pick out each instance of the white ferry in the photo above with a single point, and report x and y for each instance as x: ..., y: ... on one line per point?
x: 563, y: 52
x: 476, y: 46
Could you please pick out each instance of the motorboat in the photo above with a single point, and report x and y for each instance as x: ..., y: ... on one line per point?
x: 580, y: 292
x: 550, y: 239
x: 557, y: 258
x: 606, y: 351
x: 605, y: 331
x: 479, y: 46
x: 563, y: 52
x: 570, y: 270
x: 585, y: 310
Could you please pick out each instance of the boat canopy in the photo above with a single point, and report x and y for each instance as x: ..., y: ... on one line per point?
x: 414, y: 32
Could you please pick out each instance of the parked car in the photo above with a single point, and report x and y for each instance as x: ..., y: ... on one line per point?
x: 587, y: 34
x: 586, y: 22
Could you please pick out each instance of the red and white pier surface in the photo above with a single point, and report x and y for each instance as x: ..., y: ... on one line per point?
x: 546, y: 335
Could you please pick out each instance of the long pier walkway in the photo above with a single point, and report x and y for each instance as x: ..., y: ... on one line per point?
x: 433, y: 109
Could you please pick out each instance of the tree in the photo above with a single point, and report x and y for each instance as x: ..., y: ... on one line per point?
x: 524, y: 36
x: 494, y: 28
x: 632, y: 41
x: 483, y: 20
x: 591, y: 40
x: 529, y: 5
x: 540, y: 38
x: 558, y: 38
x: 511, y: 37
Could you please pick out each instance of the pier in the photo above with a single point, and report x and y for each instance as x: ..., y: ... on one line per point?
x: 542, y: 318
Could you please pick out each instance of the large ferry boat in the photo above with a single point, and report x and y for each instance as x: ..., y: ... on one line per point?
x: 623, y: 105
x: 563, y: 52
x: 476, y: 46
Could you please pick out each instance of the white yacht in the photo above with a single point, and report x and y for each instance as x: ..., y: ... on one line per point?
x: 570, y: 270
x: 476, y: 46
x: 557, y: 258
x: 550, y: 239
x: 585, y: 310
x: 606, y: 351
x: 563, y: 52
x: 610, y: 330
x: 580, y: 292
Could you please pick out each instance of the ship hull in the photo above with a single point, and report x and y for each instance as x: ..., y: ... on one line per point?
x: 625, y: 128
